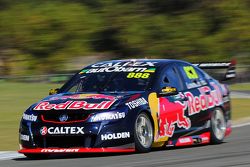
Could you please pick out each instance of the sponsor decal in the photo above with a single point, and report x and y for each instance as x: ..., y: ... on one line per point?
x: 43, y: 130
x: 207, y: 99
x: 125, y: 64
x: 61, y: 130
x: 108, y: 116
x: 197, y: 84
x: 31, y: 117
x: 185, y: 140
x: 24, y: 137
x: 172, y: 114
x: 114, y: 69
x: 136, y: 103
x: 114, y: 136
x: 62, y: 150
x: 168, y: 89
x: 74, y: 105
x: 131, y: 66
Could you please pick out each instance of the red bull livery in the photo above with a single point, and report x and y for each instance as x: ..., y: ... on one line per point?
x: 127, y: 106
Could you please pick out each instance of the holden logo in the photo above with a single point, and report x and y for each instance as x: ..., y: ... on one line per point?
x: 43, y: 130
x: 63, y: 117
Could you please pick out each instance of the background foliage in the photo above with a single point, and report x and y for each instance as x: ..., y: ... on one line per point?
x: 40, y: 37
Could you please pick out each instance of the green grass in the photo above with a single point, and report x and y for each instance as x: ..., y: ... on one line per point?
x: 16, y: 97
x: 240, y: 86
x: 240, y: 108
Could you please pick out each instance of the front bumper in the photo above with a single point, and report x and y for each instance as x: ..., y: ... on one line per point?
x: 100, y: 135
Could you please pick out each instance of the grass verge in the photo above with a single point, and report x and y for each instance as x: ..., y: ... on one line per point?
x: 240, y: 87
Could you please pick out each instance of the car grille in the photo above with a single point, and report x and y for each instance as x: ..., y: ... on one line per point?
x: 64, y: 141
x: 72, y: 116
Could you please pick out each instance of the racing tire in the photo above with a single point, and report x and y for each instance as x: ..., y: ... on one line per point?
x: 143, y: 133
x: 218, y: 126
x: 37, y: 156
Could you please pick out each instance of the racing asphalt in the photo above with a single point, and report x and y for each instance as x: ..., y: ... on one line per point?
x: 235, y: 151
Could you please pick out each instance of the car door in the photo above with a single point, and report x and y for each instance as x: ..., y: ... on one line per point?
x: 171, y: 111
x: 195, y: 93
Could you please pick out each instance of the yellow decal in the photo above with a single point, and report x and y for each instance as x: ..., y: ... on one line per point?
x: 154, y: 107
x: 168, y: 89
x: 190, y: 72
x: 150, y: 70
x: 138, y: 75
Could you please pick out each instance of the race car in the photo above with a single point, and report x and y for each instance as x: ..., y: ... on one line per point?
x: 128, y: 106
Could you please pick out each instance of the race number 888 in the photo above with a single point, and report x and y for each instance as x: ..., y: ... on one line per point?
x: 138, y: 75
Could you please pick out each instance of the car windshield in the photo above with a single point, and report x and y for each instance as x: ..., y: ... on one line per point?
x: 110, y: 82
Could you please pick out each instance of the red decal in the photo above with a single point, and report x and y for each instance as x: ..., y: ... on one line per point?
x: 216, y: 94
x: 228, y: 131
x: 62, y: 106
x: 191, y: 103
x: 90, y: 106
x: 184, y: 141
x: 41, y: 106
x: 171, y: 114
x: 205, y: 137
x: 207, y: 99
x: 76, y: 105
x: 108, y: 104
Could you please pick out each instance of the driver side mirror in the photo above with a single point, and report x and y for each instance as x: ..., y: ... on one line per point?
x: 53, y: 91
x: 168, y: 91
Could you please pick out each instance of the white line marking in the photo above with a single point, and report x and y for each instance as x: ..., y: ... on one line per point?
x: 6, y: 155
x: 241, y: 125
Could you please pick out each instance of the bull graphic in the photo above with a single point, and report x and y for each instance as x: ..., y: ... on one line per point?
x: 170, y: 115
x: 166, y: 116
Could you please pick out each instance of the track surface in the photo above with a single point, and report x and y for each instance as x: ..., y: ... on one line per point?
x: 235, y: 151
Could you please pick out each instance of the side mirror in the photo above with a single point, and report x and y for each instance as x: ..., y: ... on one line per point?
x: 53, y: 91
x: 168, y: 91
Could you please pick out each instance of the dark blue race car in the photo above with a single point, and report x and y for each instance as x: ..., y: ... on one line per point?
x: 129, y: 105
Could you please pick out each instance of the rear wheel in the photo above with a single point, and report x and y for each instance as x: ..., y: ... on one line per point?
x: 143, y: 133
x: 37, y: 156
x: 218, y: 126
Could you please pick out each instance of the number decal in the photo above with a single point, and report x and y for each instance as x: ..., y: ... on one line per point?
x: 190, y: 72
x: 138, y: 75
x: 131, y: 75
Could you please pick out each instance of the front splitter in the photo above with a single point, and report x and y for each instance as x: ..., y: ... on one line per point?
x: 75, y: 150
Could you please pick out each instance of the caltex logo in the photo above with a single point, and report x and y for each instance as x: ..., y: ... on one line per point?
x: 43, y: 130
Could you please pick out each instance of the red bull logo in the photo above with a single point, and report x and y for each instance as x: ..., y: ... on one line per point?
x: 172, y: 114
x: 167, y: 115
x: 74, y: 105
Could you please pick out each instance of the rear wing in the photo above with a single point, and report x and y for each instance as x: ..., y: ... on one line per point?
x: 230, y: 66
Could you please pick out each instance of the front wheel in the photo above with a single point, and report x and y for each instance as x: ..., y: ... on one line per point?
x: 218, y: 126
x: 143, y: 133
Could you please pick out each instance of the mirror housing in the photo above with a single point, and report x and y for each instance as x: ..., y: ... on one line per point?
x: 168, y: 91
x: 53, y: 91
